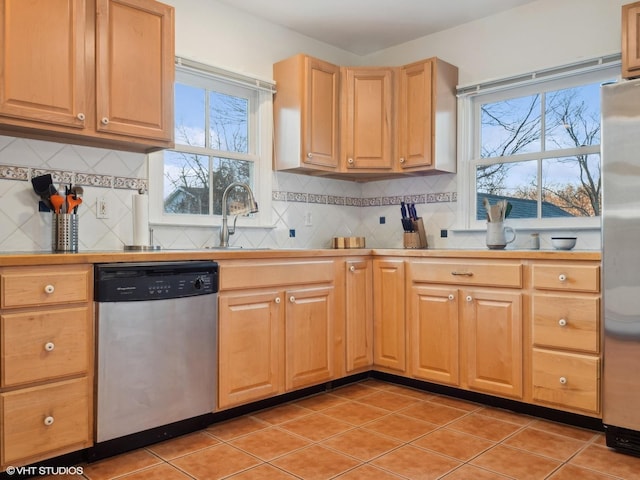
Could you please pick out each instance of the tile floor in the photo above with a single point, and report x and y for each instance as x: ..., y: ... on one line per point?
x: 376, y: 430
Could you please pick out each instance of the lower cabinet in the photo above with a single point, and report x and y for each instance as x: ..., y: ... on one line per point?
x: 434, y: 335
x: 389, y: 329
x: 492, y: 341
x: 358, y: 314
x: 277, y: 338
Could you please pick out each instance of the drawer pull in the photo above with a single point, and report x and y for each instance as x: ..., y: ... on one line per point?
x: 49, y: 346
x: 463, y: 274
x: 562, y: 277
x: 563, y: 380
x: 562, y: 322
x: 352, y: 268
x: 469, y: 298
x: 292, y: 299
x: 49, y: 289
x: 48, y: 421
x: 451, y: 297
x: 277, y: 300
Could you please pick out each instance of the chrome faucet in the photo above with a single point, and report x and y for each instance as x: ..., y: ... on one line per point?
x: 251, y: 206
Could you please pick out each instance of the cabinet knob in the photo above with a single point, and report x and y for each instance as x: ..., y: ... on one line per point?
x: 401, y: 159
x: 562, y: 277
x: 49, y: 346
x: 563, y: 380
x: 49, y: 289
x: 104, y: 121
x: 352, y: 268
x: 309, y: 155
x: 469, y: 298
x: 350, y: 161
x: 451, y: 297
x: 48, y: 421
x: 292, y: 299
x: 562, y: 322
x: 80, y: 117
x: 277, y: 300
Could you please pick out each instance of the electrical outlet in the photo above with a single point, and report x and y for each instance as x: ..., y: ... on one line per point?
x: 444, y: 233
x: 102, y: 208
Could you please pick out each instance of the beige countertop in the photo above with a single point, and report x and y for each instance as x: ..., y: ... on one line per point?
x: 49, y: 258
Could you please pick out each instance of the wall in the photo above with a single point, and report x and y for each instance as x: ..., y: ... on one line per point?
x: 537, y: 35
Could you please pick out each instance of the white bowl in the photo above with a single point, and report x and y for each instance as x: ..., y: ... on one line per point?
x: 563, y: 243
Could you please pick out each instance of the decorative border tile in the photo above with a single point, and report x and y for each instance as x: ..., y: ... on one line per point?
x: 14, y: 172
x: 419, y: 198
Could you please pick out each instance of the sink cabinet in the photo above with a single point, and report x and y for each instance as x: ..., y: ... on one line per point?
x: 46, y: 362
x: 278, y: 336
x: 94, y: 72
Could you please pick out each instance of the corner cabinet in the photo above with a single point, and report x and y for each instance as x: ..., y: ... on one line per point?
x: 94, y: 72
x: 631, y: 40
x: 306, y: 109
x: 368, y: 119
x: 46, y: 362
x: 365, y: 123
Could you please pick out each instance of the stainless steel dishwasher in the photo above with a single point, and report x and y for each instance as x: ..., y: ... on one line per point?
x: 157, y: 345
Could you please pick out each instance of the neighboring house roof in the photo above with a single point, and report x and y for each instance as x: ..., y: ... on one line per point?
x: 520, y: 207
x: 189, y: 195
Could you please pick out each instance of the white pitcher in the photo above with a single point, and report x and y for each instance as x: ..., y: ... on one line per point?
x: 497, y: 234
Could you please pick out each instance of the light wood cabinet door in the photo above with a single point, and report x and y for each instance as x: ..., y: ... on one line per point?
x: 631, y: 40
x: 359, y: 317
x: 43, y: 62
x: 415, y: 116
x: 46, y: 420
x: 368, y: 118
x: 134, y: 68
x: 309, y: 334
x: 492, y: 339
x: 433, y: 332
x: 306, y: 114
x: 389, y: 337
x: 250, y: 331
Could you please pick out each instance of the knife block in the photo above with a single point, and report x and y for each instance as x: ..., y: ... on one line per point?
x: 417, y: 238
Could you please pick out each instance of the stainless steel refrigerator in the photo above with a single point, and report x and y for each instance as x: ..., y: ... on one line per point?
x: 621, y: 264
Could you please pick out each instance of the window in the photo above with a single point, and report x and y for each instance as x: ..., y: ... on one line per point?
x: 535, y: 144
x: 222, y: 135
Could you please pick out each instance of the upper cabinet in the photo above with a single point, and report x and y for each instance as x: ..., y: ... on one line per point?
x: 306, y: 113
x: 631, y: 40
x: 94, y: 72
x: 368, y: 125
x: 427, y: 117
x: 392, y: 121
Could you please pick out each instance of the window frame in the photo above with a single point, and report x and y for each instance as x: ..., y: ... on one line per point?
x: 470, y: 100
x: 260, y: 149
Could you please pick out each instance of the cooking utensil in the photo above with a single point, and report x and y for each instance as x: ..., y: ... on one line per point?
x: 72, y: 203
x: 487, y: 207
x: 57, y: 201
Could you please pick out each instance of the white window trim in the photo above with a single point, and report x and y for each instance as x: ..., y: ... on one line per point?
x: 468, y: 133
x: 262, y: 169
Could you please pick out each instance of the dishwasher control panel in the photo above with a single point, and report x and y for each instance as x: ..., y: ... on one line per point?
x: 128, y: 282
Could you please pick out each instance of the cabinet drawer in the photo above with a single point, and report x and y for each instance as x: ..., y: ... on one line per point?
x: 566, y: 379
x: 44, y: 345
x: 46, y: 420
x: 566, y: 277
x: 240, y: 274
x: 563, y: 321
x: 31, y: 286
x: 494, y: 274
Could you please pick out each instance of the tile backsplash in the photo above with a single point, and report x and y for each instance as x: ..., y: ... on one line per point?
x: 316, y: 209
